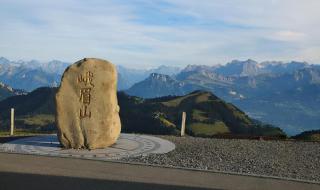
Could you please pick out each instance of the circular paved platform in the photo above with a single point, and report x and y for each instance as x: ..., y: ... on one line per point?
x: 127, y: 145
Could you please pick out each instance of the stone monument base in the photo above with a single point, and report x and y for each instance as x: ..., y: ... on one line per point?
x: 127, y: 145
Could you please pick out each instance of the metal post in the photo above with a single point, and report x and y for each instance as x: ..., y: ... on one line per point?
x: 12, y: 121
x: 183, y: 124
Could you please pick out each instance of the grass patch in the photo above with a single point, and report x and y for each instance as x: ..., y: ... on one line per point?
x: 37, y: 120
x: 312, y: 137
x: 176, y: 102
x: 199, y: 115
x: 238, y: 114
x: 315, y: 137
x: 166, y: 122
x: 205, y: 129
x: 203, y: 98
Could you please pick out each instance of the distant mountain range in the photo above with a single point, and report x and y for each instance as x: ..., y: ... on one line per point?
x: 253, y: 68
x: 231, y: 81
x: 283, y: 94
x: 29, y: 75
x: 128, y: 77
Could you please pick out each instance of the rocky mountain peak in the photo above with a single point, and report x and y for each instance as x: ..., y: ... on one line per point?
x: 310, y: 75
x: 3, y: 60
x: 194, y: 68
x: 160, y: 77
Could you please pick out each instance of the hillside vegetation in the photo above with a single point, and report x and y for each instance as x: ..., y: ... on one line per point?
x: 207, y: 115
x: 313, y: 135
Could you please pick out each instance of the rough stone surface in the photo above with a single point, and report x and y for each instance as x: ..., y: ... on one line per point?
x: 87, y: 108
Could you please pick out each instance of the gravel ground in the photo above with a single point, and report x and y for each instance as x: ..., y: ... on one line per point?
x: 291, y: 159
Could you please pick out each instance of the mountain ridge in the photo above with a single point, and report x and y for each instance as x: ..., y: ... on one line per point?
x: 296, y: 92
x: 35, y: 74
x: 207, y: 115
x: 265, y: 90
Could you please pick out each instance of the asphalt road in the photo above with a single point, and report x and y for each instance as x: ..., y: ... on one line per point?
x: 38, y: 172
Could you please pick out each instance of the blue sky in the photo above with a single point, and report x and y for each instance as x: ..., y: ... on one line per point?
x: 146, y: 33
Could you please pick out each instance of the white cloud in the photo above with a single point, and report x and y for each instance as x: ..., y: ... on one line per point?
x: 218, y: 31
x: 290, y: 36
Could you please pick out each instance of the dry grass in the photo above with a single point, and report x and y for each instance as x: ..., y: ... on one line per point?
x: 37, y: 120
x: 199, y: 115
x: 209, y: 129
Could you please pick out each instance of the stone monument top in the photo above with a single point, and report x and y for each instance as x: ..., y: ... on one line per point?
x: 87, y: 111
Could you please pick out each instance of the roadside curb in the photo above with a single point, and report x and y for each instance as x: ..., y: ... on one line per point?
x: 175, y: 167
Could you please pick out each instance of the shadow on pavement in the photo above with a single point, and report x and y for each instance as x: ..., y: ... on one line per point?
x: 11, y: 138
x: 14, y: 181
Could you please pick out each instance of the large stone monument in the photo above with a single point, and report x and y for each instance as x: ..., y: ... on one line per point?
x: 87, y: 113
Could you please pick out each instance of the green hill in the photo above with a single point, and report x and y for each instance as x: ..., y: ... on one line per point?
x: 33, y: 111
x: 207, y: 115
x: 313, y: 135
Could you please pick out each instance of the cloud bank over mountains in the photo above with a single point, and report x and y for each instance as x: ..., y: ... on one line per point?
x: 141, y: 33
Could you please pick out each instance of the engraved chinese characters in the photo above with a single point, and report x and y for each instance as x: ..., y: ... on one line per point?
x: 85, y: 93
x: 87, y: 108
